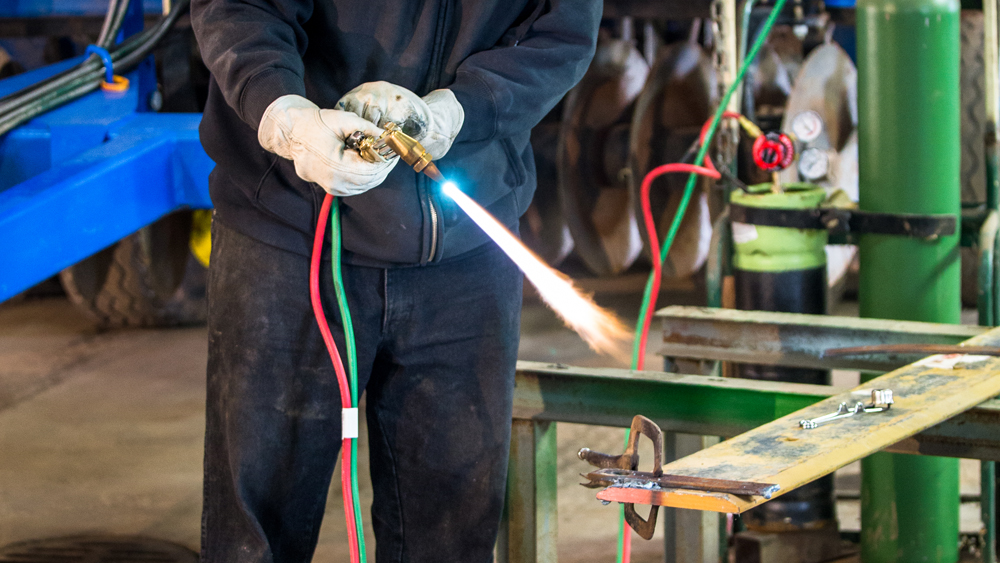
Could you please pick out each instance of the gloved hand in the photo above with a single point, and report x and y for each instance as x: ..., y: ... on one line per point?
x: 434, y: 120
x: 313, y: 138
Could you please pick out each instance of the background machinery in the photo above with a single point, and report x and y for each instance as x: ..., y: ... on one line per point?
x: 107, y: 192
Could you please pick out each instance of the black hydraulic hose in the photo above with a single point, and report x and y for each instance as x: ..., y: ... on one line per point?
x: 109, y: 30
x: 157, y: 34
x: 31, y: 92
x: 126, y: 56
x: 69, y: 79
x: 63, y: 92
x: 55, y: 99
x: 41, y: 89
x: 112, y: 23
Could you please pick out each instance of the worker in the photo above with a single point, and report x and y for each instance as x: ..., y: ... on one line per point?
x: 435, y: 304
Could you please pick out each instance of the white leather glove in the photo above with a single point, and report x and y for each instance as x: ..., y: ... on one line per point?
x: 434, y: 120
x: 313, y: 138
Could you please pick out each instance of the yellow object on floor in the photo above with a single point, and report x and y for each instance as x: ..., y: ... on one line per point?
x: 201, y: 235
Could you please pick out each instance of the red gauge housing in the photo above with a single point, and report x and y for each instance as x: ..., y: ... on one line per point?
x: 773, y: 152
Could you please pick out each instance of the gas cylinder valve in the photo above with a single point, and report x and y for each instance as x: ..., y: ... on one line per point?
x: 773, y: 151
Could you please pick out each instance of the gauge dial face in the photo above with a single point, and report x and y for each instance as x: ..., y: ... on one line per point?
x: 813, y: 164
x: 807, y: 126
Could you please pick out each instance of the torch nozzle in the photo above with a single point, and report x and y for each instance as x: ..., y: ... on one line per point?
x: 433, y: 173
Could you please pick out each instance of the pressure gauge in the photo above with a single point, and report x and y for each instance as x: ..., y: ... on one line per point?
x: 807, y: 126
x: 814, y: 164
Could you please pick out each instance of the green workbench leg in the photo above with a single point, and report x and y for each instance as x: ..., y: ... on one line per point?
x: 690, y: 536
x: 528, y: 529
x: 987, y: 507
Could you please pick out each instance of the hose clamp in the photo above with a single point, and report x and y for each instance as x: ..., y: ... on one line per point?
x: 111, y: 82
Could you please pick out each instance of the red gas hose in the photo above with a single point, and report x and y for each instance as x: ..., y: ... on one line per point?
x: 708, y: 170
x: 338, y: 366
x: 654, y: 242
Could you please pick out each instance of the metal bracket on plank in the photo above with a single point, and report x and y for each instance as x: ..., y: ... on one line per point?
x: 881, y: 401
x: 844, y: 221
x: 621, y: 472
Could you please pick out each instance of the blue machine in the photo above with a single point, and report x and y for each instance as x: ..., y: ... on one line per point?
x: 81, y: 177
x: 42, y: 8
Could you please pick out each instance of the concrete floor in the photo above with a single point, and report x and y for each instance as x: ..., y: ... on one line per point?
x: 102, y: 433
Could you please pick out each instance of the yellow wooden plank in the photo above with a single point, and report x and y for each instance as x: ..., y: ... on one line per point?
x: 781, y: 452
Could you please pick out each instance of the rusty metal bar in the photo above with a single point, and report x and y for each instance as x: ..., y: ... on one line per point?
x: 918, y: 350
x: 794, y: 340
x: 625, y: 478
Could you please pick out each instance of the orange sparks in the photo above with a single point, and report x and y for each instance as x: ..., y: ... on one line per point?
x: 598, y: 327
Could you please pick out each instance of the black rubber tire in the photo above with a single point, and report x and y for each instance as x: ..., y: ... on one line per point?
x: 148, y: 279
x: 973, y: 169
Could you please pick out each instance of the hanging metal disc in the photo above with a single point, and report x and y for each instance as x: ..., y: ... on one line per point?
x: 543, y: 226
x: 677, y: 100
x: 591, y: 156
x: 822, y: 112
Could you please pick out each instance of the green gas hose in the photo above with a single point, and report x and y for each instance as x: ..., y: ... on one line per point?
x: 336, y: 252
x: 648, y: 298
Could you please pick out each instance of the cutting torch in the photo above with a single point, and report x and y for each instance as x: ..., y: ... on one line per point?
x: 393, y: 140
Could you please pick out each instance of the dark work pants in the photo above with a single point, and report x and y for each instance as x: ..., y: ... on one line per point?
x: 436, y: 347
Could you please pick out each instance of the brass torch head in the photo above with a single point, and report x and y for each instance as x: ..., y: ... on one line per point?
x: 392, y: 140
x: 406, y: 147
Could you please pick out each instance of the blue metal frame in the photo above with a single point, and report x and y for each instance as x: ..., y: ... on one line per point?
x: 42, y: 8
x: 85, y: 175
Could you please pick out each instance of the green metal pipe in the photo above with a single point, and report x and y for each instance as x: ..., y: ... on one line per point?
x: 987, y: 244
x: 988, y: 509
x: 908, y: 101
x: 719, y: 261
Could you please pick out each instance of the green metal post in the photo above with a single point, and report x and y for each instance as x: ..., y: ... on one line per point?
x: 988, y: 509
x: 991, y: 60
x: 987, y: 243
x: 987, y: 469
x: 908, y: 101
x: 528, y: 528
x: 719, y: 261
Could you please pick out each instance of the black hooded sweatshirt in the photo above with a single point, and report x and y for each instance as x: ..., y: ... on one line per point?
x: 508, y: 63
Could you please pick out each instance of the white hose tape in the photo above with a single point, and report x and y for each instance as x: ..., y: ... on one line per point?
x: 349, y: 423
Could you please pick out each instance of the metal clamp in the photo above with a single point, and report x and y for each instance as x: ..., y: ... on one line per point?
x: 629, y: 461
x: 844, y: 221
x: 112, y: 82
x: 881, y: 401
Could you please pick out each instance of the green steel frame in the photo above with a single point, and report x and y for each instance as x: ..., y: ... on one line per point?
x: 546, y: 394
